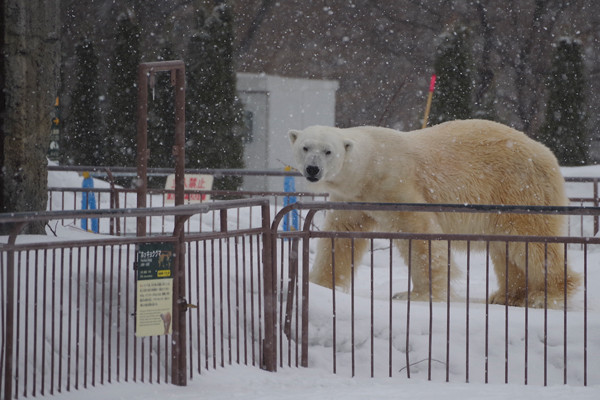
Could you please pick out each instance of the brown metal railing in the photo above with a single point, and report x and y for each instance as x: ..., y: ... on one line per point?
x: 67, y: 316
x: 70, y: 199
x: 443, y: 334
x: 579, y: 225
x: 67, y: 304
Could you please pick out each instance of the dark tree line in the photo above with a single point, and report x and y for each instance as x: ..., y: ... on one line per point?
x: 383, y: 54
x: 213, y: 113
x: 564, y: 128
x: 565, y: 124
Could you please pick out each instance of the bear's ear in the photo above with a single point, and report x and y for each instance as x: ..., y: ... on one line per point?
x: 348, y: 144
x: 293, y: 135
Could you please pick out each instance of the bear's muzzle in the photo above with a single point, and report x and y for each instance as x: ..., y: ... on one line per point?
x: 312, y: 173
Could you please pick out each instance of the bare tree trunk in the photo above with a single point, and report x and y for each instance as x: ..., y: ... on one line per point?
x: 30, y: 80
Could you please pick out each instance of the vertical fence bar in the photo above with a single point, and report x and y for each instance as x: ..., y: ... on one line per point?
x: 487, y: 309
x: 305, y: 295
x: 18, y: 322
x: 213, y: 309
x: 545, y: 313
x: 61, y: 318
x: 596, y: 203
x: 467, y: 314
x: 352, y: 315
x: 206, y: 310
x: 26, y: 322
x: 288, y: 303
x: 430, y: 341
x: 565, y: 316
x: 198, y: 315
x: 585, y: 313
x: 228, y: 265
x: 391, y: 296
x: 178, y: 353
x: 103, y: 343
x: 261, y: 310
x: 221, y: 318
x: 372, y: 302
x: 333, y: 314
x: 448, y: 277
x: 10, y: 312
x: 70, y: 319
x: 506, y: 287
x: 409, y: 265
x: 53, y: 322
x: 190, y: 314
x: 237, y: 299
x: 127, y: 315
x: 35, y: 321
x: 526, y: 312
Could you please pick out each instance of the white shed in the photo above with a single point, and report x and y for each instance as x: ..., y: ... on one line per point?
x: 273, y: 105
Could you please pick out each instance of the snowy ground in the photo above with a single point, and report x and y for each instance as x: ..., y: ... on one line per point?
x: 318, y: 381
x: 249, y: 383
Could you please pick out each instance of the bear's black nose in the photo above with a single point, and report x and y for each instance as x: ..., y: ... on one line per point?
x: 312, y: 171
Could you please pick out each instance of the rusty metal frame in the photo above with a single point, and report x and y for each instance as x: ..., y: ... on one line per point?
x: 146, y: 72
x: 179, y: 366
x: 307, y: 233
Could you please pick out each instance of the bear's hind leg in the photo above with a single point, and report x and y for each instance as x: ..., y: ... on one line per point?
x: 537, y: 283
x: 547, y: 272
x: 510, y: 274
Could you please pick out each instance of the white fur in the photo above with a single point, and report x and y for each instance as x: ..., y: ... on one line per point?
x: 474, y: 162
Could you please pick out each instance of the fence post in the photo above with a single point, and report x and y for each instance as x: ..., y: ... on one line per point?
x: 178, y: 356
x: 596, y: 223
x: 270, y: 292
x: 9, y: 322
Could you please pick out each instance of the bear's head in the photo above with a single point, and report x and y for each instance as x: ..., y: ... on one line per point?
x: 319, y: 152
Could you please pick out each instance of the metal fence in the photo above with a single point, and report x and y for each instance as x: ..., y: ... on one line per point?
x: 363, y: 331
x: 242, y: 296
x: 114, y: 197
x: 69, y: 302
x: 62, y: 198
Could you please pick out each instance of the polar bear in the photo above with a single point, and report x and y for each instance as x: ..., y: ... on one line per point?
x: 458, y: 162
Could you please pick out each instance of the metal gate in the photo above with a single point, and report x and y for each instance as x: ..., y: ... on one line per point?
x: 68, y: 314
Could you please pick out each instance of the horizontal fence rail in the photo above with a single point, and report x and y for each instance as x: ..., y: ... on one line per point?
x: 366, y: 331
x: 114, y: 197
x: 69, y: 300
x: 63, y: 198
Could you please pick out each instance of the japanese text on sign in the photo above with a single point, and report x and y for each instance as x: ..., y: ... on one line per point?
x: 154, y: 300
x: 191, y: 182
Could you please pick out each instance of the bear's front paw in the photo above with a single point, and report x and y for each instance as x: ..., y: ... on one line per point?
x: 418, y: 296
x: 400, y: 296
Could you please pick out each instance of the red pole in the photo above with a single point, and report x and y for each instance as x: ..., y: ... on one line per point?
x: 429, y: 97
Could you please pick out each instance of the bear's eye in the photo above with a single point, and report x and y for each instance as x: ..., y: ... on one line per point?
x: 327, y: 152
x: 305, y: 149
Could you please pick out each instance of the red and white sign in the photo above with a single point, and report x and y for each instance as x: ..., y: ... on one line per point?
x: 192, y: 182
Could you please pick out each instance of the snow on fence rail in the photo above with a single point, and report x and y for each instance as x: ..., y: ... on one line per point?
x: 362, y: 331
